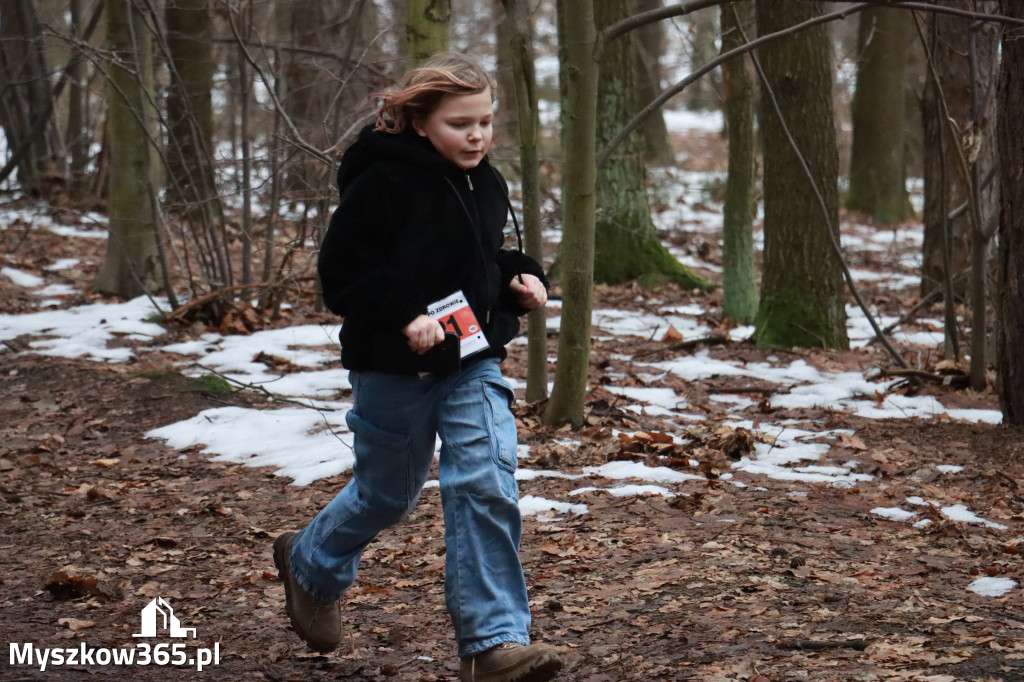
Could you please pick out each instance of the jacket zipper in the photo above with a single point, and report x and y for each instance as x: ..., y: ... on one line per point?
x: 479, y: 244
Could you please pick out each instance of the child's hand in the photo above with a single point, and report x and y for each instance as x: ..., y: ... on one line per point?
x: 530, y: 293
x: 423, y: 333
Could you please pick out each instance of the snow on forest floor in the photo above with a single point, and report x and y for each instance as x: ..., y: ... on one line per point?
x: 305, y: 438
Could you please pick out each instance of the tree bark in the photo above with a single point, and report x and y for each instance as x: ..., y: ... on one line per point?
x: 131, y: 266
x: 877, y: 170
x: 426, y: 29
x: 739, y: 280
x: 570, y: 387
x: 78, y: 131
x: 191, y: 188
x: 651, y: 46
x: 703, y: 30
x: 627, y: 244
x: 26, y: 96
x: 524, y: 95
x: 1010, y: 293
x: 949, y: 43
x: 802, y: 302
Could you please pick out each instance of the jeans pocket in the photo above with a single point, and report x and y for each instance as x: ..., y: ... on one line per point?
x: 375, y: 436
x: 501, y: 423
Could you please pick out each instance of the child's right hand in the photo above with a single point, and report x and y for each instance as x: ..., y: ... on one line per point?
x: 423, y: 333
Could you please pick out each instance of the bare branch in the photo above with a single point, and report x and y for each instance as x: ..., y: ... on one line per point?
x: 643, y: 18
x: 671, y: 92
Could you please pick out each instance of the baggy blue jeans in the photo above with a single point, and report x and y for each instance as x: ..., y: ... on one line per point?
x: 395, y: 420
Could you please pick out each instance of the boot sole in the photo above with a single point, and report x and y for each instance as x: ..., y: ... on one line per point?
x: 541, y: 669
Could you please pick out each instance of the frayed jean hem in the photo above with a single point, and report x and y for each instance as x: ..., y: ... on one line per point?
x: 473, y: 648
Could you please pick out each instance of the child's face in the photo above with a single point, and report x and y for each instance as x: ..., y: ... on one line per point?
x: 460, y: 128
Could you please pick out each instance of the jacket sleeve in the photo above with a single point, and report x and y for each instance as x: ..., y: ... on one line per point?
x: 358, y: 279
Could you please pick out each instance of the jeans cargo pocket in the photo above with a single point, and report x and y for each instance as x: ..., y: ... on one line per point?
x: 501, y: 423
x: 375, y: 436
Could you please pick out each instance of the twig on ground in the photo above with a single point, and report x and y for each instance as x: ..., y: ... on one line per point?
x: 815, y: 645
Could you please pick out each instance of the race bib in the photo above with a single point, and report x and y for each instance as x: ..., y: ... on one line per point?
x: 457, y: 318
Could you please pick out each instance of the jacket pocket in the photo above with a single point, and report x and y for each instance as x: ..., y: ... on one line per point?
x: 501, y: 423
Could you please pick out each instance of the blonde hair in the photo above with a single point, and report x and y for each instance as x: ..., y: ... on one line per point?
x: 422, y: 88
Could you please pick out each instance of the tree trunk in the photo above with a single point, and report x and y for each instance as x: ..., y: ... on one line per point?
x: 651, y: 45
x: 1010, y: 293
x: 78, y: 131
x: 739, y: 280
x: 877, y: 171
x: 26, y: 96
x: 426, y: 28
x: 191, y: 188
x: 311, y: 86
x: 627, y: 243
x: 131, y: 266
x: 506, y: 117
x: 802, y: 287
x: 703, y: 31
x: 528, y: 118
x: 946, y: 188
x: 570, y: 387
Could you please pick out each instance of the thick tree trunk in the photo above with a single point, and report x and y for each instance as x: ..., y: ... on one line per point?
x: 191, y: 189
x: 627, y: 243
x: 651, y: 44
x: 949, y: 42
x: 570, y: 387
x: 426, y: 28
x: 703, y: 31
x: 26, y: 96
x: 802, y: 301
x: 739, y: 280
x: 1010, y: 294
x: 524, y: 95
x: 131, y: 266
x: 311, y: 86
x: 877, y: 171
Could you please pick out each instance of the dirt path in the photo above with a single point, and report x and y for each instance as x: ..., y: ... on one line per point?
x: 724, y: 584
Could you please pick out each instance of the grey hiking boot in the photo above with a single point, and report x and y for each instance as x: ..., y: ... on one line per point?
x: 317, y: 623
x: 511, y: 662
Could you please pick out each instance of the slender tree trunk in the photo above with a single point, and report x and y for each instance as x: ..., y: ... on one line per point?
x: 426, y: 28
x: 877, y: 170
x: 651, y: 45
x: 570, y: 387
x: 1010, y: 293
x: 627, y: 244
x: 78, y: 131
x: 739, y: 280
x: 802, y: 301
x: 131, y: 266
x: 520, y: 53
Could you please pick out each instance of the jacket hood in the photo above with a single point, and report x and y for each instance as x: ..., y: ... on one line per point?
x: 374, y: 146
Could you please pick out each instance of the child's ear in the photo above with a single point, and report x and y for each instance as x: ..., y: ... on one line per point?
x: 417, y: 125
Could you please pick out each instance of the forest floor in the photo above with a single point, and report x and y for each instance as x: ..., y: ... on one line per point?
x: 717, y: 583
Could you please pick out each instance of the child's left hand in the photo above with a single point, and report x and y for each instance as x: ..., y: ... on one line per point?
x: 530, y: 293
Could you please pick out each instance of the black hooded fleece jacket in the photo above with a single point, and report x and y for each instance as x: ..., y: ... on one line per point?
x: 412, y: 228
